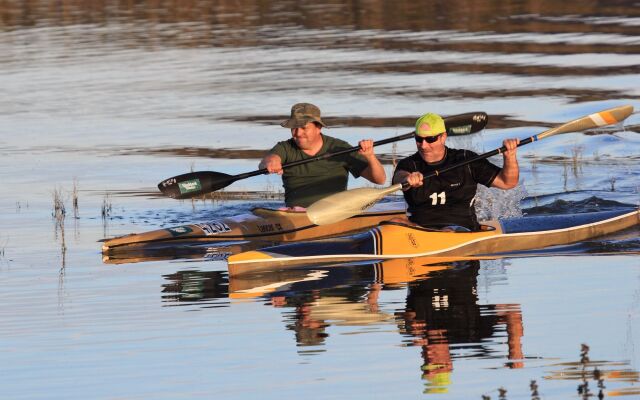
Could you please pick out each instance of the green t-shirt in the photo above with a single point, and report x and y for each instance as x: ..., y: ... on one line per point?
x: 307, y: 183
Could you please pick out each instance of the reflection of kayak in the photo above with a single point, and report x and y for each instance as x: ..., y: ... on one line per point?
x: 395, y: 240
x: 262, y: 224
x: 218, y: 251
x: 284, y: 281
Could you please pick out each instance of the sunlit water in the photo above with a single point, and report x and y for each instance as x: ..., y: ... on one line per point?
x: 117, y: 97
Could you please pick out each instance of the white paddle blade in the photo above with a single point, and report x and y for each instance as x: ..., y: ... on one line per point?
x: 340, y: 206
x: 603, y: 118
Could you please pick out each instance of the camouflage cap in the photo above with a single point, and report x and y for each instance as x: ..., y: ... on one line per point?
x: 302, y: 114
x: 430, y: 125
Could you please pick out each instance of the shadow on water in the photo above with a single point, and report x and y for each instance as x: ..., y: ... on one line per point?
x: 442, y: 316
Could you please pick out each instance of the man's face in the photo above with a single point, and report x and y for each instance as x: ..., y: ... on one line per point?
x: 424, y: 147
x: 307, y: 136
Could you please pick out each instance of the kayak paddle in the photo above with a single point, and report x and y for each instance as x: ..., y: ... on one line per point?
x: 195, y: 184
x: 340, y: 206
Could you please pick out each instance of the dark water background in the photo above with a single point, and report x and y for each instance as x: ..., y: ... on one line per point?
x: 111, y: 97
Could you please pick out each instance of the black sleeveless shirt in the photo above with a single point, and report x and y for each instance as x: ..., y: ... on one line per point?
x: 447, y: 199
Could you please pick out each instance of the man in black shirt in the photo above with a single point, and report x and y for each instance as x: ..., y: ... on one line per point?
x: 447, y: 199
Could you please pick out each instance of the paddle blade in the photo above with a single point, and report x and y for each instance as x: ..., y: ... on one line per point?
x: 603, y: 118
x: 465, y: 124
x: 343, y: 205
x: 194, y: 184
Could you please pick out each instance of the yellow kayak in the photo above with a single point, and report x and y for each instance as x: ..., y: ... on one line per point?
x: 395, y: 240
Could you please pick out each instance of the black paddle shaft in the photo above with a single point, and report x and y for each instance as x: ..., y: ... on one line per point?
x: 198, y: 183
x: 324, y: 156
x: 455, y: 125
x: 480, y: 157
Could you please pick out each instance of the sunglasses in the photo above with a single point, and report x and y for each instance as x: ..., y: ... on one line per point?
x: 429, y: 139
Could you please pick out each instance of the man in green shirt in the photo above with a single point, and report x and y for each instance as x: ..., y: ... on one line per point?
x: 304, y: 184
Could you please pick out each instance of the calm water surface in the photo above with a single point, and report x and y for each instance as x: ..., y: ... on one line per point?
x: 113, y: 97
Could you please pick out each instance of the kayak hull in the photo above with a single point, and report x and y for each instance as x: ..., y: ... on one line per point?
x: 396, y: 240
x: 262, y: 224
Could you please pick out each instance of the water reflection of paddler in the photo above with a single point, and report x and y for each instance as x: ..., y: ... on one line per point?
x: 337, y: 295
x: 447, y: 199
x: 308, y: 331
x: 342, y: 306
x: 341, y: 295
x: 290, y: 282
x: 443, y: 310
x: 307, y: 183
x: 286, y: 282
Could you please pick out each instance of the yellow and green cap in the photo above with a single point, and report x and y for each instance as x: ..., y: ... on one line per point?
x: 430, y: 124
x: 438, y: 383
x: 301, y: 114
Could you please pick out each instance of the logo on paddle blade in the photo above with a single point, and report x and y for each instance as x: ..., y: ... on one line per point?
x: 479, y: 117
x: 190, y: 186
x: 168, y: 182
x: 460, y: 130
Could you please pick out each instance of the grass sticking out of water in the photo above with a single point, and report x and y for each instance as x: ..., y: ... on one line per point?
x: 576, y: 159
x: 583, y: 388
x: 74, y: 198
x: 59, y: 211
x: 587, y: 373
x: 59, y: 214
x: 2, y: 248
x: 106, y: 207
x: 533, y: 386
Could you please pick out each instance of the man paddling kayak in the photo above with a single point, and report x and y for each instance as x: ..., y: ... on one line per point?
x: 307, y: 183
x: 447, y: 199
